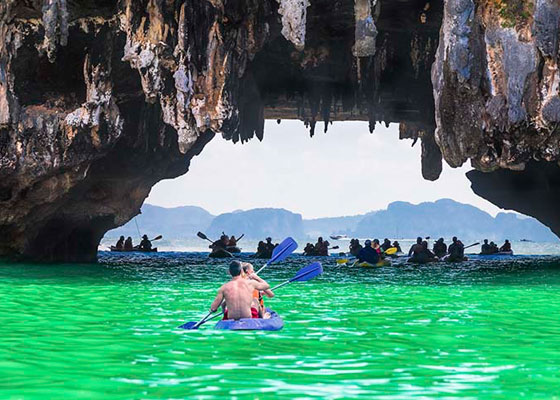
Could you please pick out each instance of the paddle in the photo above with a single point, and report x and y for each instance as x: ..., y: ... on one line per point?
x: 281, y: 252
x: 303, y: 275
x: 203, y: 236
x: 334, y: 248
x: 156, y: 238
x: 471, y: 245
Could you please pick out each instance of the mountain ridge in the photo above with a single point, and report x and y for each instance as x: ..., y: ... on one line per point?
x: 444, y: 217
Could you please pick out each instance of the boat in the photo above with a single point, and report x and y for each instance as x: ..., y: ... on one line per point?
x: 233, y: 249
x: 274, y: 323
x: 220, y: 253
x: 446, y: 259
x: 338, y: 237
x: 134, y: 250
x: 500, y: 253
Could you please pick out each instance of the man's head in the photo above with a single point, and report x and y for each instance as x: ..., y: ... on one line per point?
x: 485, y: 241
x: 235, y: 268
x: 121, y: 238
x: 440, y: 240
x: 145, y: 237
x: 419, y: 240
x: 507, y: 241
x: 425, y: 244
x: 376, y: 241
x: 268, y: 239
x: 320, y: 240
x: 454, y: 239
x: 248, y: 268
x: 367, y: 243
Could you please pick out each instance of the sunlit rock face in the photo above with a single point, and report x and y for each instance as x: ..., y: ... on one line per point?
x: 101, y: 99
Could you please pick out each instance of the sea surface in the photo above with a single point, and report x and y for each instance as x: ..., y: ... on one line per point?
x: 483, y: 329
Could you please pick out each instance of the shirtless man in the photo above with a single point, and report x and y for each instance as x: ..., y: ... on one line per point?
x: 238, y: 294
x: 257, y: 303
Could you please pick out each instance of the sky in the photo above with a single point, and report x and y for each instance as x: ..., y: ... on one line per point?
x: 346, y: 171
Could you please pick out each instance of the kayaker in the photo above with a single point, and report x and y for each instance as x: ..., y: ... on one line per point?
x: 269, y: 245
x: 145, y: 244
x: 422, y: 254
x: 398, y: 246
x: 238, y: 294
x: 440, y: 248
x: 222, y: 243
x: 258, y: 302
x: 456, y: 250
x: 309, y: 250
x: 386, y: 245
x: 120, y: 244
x: 506, y: 246
x: 232, y: 242
x: 485, y: 248
x: 322, y: 247
x: 416, y: 248
x: 128, y: 246
x: 493, y: 248
x: 376, y: 246
x: 355, y: 247
x: 368, y: 254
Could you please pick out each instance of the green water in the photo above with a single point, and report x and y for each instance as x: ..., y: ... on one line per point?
x: 480, y: 330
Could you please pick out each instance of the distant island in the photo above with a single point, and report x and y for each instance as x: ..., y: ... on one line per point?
x: 444, y: 218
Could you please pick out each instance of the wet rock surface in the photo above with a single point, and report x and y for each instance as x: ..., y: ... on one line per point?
x: 101, y: 99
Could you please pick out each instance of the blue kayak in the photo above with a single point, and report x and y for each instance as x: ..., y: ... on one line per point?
x: 274, y: 323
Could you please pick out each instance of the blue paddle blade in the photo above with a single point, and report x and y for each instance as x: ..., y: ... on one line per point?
x: 307, y: 273
x: 283, y: 250
x: 189, y: 325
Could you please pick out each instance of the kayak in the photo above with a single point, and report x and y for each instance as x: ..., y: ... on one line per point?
x: 233, y: 249
x: 421, y: 260
x: 500, y: 253
x: 220, y: 253
x: 153, y: 250
x: 382, y: 263
x: 446, y: 259
x: 274, y: 323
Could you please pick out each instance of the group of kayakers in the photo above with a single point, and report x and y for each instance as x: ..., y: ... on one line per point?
x: 265, y: 249
x: 355, y: 246
x: 225, y: 242
x: 242, y: 296
x: 321, y: 248
x: 127, y: 245
x: 492, y: 248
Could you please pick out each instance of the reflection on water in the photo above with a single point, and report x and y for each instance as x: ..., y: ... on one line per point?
x: 480, y: 329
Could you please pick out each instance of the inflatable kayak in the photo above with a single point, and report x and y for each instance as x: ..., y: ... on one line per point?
x: 422, y: 260
x: 382, y: 263
x: 153, y: 250
x: 220, y: 253
x: 233, y: 249
x: 274, y: 323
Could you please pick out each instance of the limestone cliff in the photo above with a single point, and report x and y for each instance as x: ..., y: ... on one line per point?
x: 101, y: 99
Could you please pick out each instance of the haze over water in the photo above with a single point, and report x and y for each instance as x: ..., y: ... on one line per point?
x: 482, y: 329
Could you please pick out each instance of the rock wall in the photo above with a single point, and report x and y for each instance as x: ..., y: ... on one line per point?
x: 101, y: 99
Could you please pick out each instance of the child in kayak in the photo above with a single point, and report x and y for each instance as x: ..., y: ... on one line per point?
x: 258, y: 302
x: 238, y: 294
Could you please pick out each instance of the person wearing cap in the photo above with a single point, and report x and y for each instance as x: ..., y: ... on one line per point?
x: 236, y: 296
x: 368, y: 254
x: 145, y: 244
